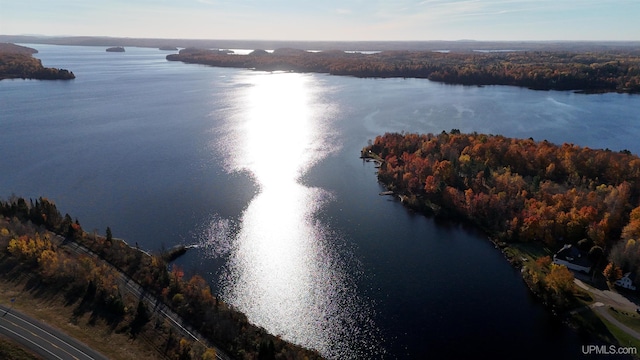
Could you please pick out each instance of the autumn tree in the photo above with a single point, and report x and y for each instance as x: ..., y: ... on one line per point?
x: 517, y: 189
x: 632, y: 229
x: 49, y: 264
x: 626, y: 256
x: 209, y: 354
x: 29, y: 248
x: 537, y: 70
x: 612, y: 272
x: 98, y: 284
x: 560, y: 279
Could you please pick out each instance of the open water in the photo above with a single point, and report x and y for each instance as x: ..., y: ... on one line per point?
x: 261, y: 170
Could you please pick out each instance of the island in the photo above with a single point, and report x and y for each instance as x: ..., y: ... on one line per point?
x: 115, y: 49
x: 556, y: 211
x: 17, y: 62
x: 589, y: 72
x: 119, y: 299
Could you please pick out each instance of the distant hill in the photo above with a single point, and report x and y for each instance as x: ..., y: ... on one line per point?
x: 453, y: 46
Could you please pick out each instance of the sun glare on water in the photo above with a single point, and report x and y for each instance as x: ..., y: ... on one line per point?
x: 286, y: 269
x: 279, y: 130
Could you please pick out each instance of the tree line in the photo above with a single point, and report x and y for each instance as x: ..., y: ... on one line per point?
x: 603, y: 71
x: 17, y: 62
x: 516, y: 189
x: 95, y: 280
x: 521, y: 190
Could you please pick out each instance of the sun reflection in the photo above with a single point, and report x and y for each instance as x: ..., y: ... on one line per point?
x: 279, y: 264
x: 279, y: 129
x: 286, y: 270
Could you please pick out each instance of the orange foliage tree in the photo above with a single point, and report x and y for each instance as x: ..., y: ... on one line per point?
x: 516, y: 189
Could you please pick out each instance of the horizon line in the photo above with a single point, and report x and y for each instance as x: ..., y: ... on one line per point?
x: 319, y: 41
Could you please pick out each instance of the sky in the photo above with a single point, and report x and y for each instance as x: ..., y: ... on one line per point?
x: 348, y: 20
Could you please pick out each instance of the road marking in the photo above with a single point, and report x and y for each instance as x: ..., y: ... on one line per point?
x: 46, y: 340
x: 141, y: 292
x: 31, y: 341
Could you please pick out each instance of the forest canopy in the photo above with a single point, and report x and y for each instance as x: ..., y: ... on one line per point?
x: 17, y: 62
x: 515, y: 189
x: 603, y: 71
x: 189, y: 297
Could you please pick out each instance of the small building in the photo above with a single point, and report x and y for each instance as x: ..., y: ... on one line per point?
x: 571, y: 257
x: 626, y: 282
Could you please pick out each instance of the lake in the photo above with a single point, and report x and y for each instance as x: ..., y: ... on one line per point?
x: 261, y: 171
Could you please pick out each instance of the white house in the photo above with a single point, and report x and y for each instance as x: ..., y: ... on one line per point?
x: 572, y: 258
x: 626, y: 282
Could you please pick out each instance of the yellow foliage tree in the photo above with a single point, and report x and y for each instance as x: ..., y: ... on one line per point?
x: 49, y: 263
x: 185, y: 348
x: 560, y: 279
x: 209, y: 354
x: 29, y: 248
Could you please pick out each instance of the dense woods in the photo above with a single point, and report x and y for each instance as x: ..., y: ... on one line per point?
x: 26, y: 242
x: 516, y: 189
x: 602, y: 71
x: 521, y: 190
x: 17, y: 62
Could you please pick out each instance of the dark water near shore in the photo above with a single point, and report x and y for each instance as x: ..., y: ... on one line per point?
x: 262, y: 171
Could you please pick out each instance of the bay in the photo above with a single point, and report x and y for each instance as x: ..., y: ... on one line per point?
x: 261, y: 170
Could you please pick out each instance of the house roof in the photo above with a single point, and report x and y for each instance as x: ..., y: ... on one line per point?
x: 573, y: 255
x: 631, y: 276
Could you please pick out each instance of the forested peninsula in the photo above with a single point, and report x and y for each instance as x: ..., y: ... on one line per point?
x: 17, y: 62
x: 51, y: 254
x: 515, y: 189
x: 523, y: 192
x: 590, y: 72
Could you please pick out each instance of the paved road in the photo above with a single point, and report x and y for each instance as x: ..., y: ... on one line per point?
x: 153, y: 303
x: 42, y: 339
x: 608, y: 298
x: 602, y: 310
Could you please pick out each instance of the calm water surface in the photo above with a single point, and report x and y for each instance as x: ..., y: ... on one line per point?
x: 262, y: 171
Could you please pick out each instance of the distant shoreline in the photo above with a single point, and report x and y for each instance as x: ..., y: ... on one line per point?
x: 589, y: 72
x: 430, y: 45
x: 17, y: 62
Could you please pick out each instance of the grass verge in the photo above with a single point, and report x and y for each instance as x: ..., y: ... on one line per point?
x: 10, y: 350
x: 627, y: 319
x: 529, y: 251
x: 632, y: 320
x: 51, y: 308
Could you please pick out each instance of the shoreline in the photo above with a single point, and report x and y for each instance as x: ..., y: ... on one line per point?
x: 184, y: 301
x: 519, y: 254
x: 520, y: 69
x: 17, y: 62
